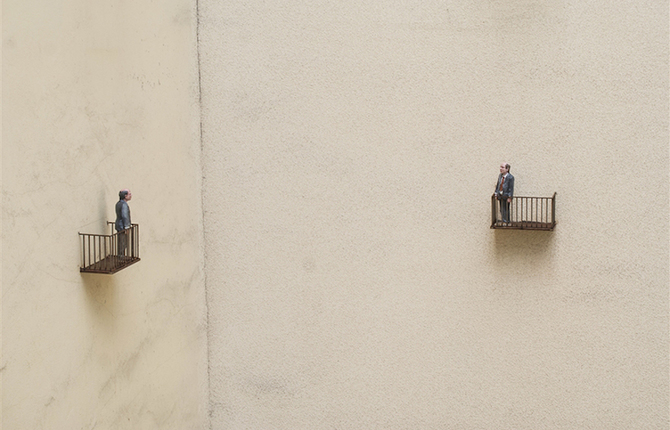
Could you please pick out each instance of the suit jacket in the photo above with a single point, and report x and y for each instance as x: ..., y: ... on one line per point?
x: 508, y: 187
x: 122, y: 216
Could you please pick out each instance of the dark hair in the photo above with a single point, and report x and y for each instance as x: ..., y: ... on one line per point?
x: 507, y: 166
x: 123, y: 194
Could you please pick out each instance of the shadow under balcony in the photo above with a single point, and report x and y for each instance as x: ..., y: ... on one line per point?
x: 109, y: 253
x: 525, y: 213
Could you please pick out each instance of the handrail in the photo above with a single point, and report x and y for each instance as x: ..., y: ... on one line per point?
x: 529, y: 197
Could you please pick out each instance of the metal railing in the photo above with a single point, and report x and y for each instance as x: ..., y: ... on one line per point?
x: 524, y: 213
x: 109, y: 253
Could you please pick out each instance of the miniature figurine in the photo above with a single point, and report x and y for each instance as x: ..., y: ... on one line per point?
x: 505, y: 191
x: 122, y: 224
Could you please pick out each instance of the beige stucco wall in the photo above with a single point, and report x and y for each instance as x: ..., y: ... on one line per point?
x: 100, y: 96
x: 350, y: 149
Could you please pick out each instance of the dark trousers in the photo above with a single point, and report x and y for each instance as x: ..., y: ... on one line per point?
x: 504, y: 209
x: 122, y: 238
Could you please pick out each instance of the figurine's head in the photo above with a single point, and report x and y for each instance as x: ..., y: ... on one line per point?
x: 125, y: 195
x: 504, y: 168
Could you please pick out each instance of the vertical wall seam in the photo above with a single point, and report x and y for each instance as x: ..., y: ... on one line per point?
x: 202, y: 215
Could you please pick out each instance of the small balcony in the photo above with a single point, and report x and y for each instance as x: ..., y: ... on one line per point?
x: 525, y: 213
x: 109, y: 253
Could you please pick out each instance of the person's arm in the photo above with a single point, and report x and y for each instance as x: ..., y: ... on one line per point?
x: 510, y: 182
x: 125, y: 216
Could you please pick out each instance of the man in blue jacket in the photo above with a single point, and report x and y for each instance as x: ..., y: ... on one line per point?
x: 122, y: 224
x: 505, y: 191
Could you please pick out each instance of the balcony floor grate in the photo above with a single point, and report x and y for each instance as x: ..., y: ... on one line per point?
x: 110, y: 265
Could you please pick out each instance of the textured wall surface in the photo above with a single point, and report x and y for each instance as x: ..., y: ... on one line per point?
x: 350, y: 149
x: 100, y: 96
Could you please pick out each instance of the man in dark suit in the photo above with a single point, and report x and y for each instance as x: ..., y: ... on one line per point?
x: 505, y: 191
x: 122, y: 223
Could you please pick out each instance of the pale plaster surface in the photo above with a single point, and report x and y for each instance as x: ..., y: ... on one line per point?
x: 100, y: 96
x: 350, y: 150
x: 1, y: 238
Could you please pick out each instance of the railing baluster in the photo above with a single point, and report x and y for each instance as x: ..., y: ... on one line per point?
x: 546, y: 210
x: 553, y: 210
x: 519, y: 219
x: 525, y: 211
x: 534, y: 212
x: 108, y: 252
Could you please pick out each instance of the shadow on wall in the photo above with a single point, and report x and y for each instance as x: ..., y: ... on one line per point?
x: 523, y: 252
x: 101, y: 298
